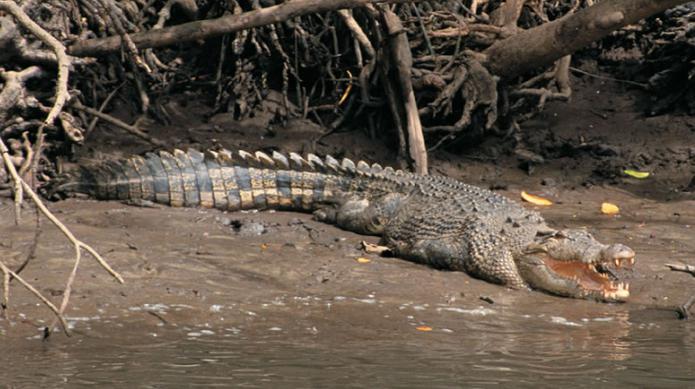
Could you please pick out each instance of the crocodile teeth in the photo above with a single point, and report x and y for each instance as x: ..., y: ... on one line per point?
x: 617, y: 262
x: 632, y: 261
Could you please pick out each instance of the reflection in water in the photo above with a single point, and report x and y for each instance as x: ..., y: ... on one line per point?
x: 481, y: 350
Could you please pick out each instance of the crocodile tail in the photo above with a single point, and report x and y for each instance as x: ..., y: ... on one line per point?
x: 222, y: 179
x: 80, y: 180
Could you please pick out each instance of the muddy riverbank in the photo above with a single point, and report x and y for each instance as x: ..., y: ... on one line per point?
x: 275, y: 294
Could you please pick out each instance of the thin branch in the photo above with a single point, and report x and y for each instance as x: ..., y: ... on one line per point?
x: 61, y: 95
x: 7, y: 272
x: 202, y: 29
x: 78, y: 244
x: 118, y: 123
x: 17, y: 186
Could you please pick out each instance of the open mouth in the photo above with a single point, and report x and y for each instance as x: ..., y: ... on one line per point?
x: 593, y: 278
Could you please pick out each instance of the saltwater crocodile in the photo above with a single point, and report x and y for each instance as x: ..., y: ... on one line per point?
x: 433, y: 220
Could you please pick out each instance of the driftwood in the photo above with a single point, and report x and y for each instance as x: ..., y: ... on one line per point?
x: 543, y: 45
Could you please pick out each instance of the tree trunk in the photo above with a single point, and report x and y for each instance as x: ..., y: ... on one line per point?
x: 541, y: 46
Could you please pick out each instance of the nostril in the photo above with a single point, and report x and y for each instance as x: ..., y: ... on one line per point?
x: 618, y: 251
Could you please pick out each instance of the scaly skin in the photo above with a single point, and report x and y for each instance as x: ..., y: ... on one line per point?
x: 436, y: 221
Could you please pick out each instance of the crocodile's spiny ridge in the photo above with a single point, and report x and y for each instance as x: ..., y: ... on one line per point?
x: 434, y: 220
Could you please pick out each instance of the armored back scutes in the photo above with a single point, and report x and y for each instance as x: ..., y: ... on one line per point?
x: 223, y: 179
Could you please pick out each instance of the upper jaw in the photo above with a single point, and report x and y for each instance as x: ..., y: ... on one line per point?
x: 618, y: 255
x: 574, y: 264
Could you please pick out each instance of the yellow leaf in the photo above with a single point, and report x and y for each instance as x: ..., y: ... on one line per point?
x: 363, y: 260
x: 535, y: 199
x: 347, y: 90
x: 609, y: 209
x: 636, y: 174
x: 424, y: 328
x: 264, y: 246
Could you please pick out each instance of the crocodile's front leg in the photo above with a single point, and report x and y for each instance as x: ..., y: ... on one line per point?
x: 363, y: 215
x: 456, y: 243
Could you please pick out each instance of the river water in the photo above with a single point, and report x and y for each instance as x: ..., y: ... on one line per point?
x: 467, y: 346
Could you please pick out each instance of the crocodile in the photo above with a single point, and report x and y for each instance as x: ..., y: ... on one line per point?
x: 433, y: 220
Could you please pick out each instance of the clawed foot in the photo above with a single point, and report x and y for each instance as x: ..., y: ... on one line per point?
x: 371, y: 248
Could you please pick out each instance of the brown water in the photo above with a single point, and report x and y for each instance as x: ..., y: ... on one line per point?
x: 475, y: 346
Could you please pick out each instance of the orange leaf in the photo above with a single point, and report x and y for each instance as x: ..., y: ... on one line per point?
x: 609, y: 209
x: 363, y: 260
x: 424, y: 328
x: 347, y: 90
x: 533, y: 199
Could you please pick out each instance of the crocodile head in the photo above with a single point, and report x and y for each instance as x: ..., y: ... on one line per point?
x: 573, y: 263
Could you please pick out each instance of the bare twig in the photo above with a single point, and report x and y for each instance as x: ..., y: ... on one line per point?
x: 118, y: 123
x: 61, y: 94
x: 78, y: 244
x: 17, y: 186
x: 7, y: 273
x: 684, y: 310
x: 682, y: 267
x: 629, y: 82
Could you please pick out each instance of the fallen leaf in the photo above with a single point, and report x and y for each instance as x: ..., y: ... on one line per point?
x: 424, y: 328
x: 363, y: 260
x: 264, y: 246
x: 609, y: 209
x: 347, y: 90
x: 636, y: 174
x: 533, y: 199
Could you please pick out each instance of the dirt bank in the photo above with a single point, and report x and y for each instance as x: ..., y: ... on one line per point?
x: 226, y: 267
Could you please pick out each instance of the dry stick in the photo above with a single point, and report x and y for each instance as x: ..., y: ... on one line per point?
x: 59, y: 224
x: 18, y: 191
x: 125, y: 126
x: 61, y: 95
x: 102, y: 107
x: 684, y: 310
x: 31, y: 253
x: 68, y: 285
x: 403, y: 60
x: 109, y: 9
x: 7, y: 272
x: 680, y: 267
x: 202, y: 29
x: 366, y: 44
x: 5, y: 293
x: 629, y: 82
x: 77, y: 244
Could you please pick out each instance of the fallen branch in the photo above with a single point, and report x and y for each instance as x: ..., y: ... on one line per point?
x: 78, y: 244
x: 7, y: 273
x: 118, y: 123
x: 203, y: 29
x: 61, y: 94
x: 17, y: 186
x: 684, y: 310
x: 540, y: 46
x: 681, y: 267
